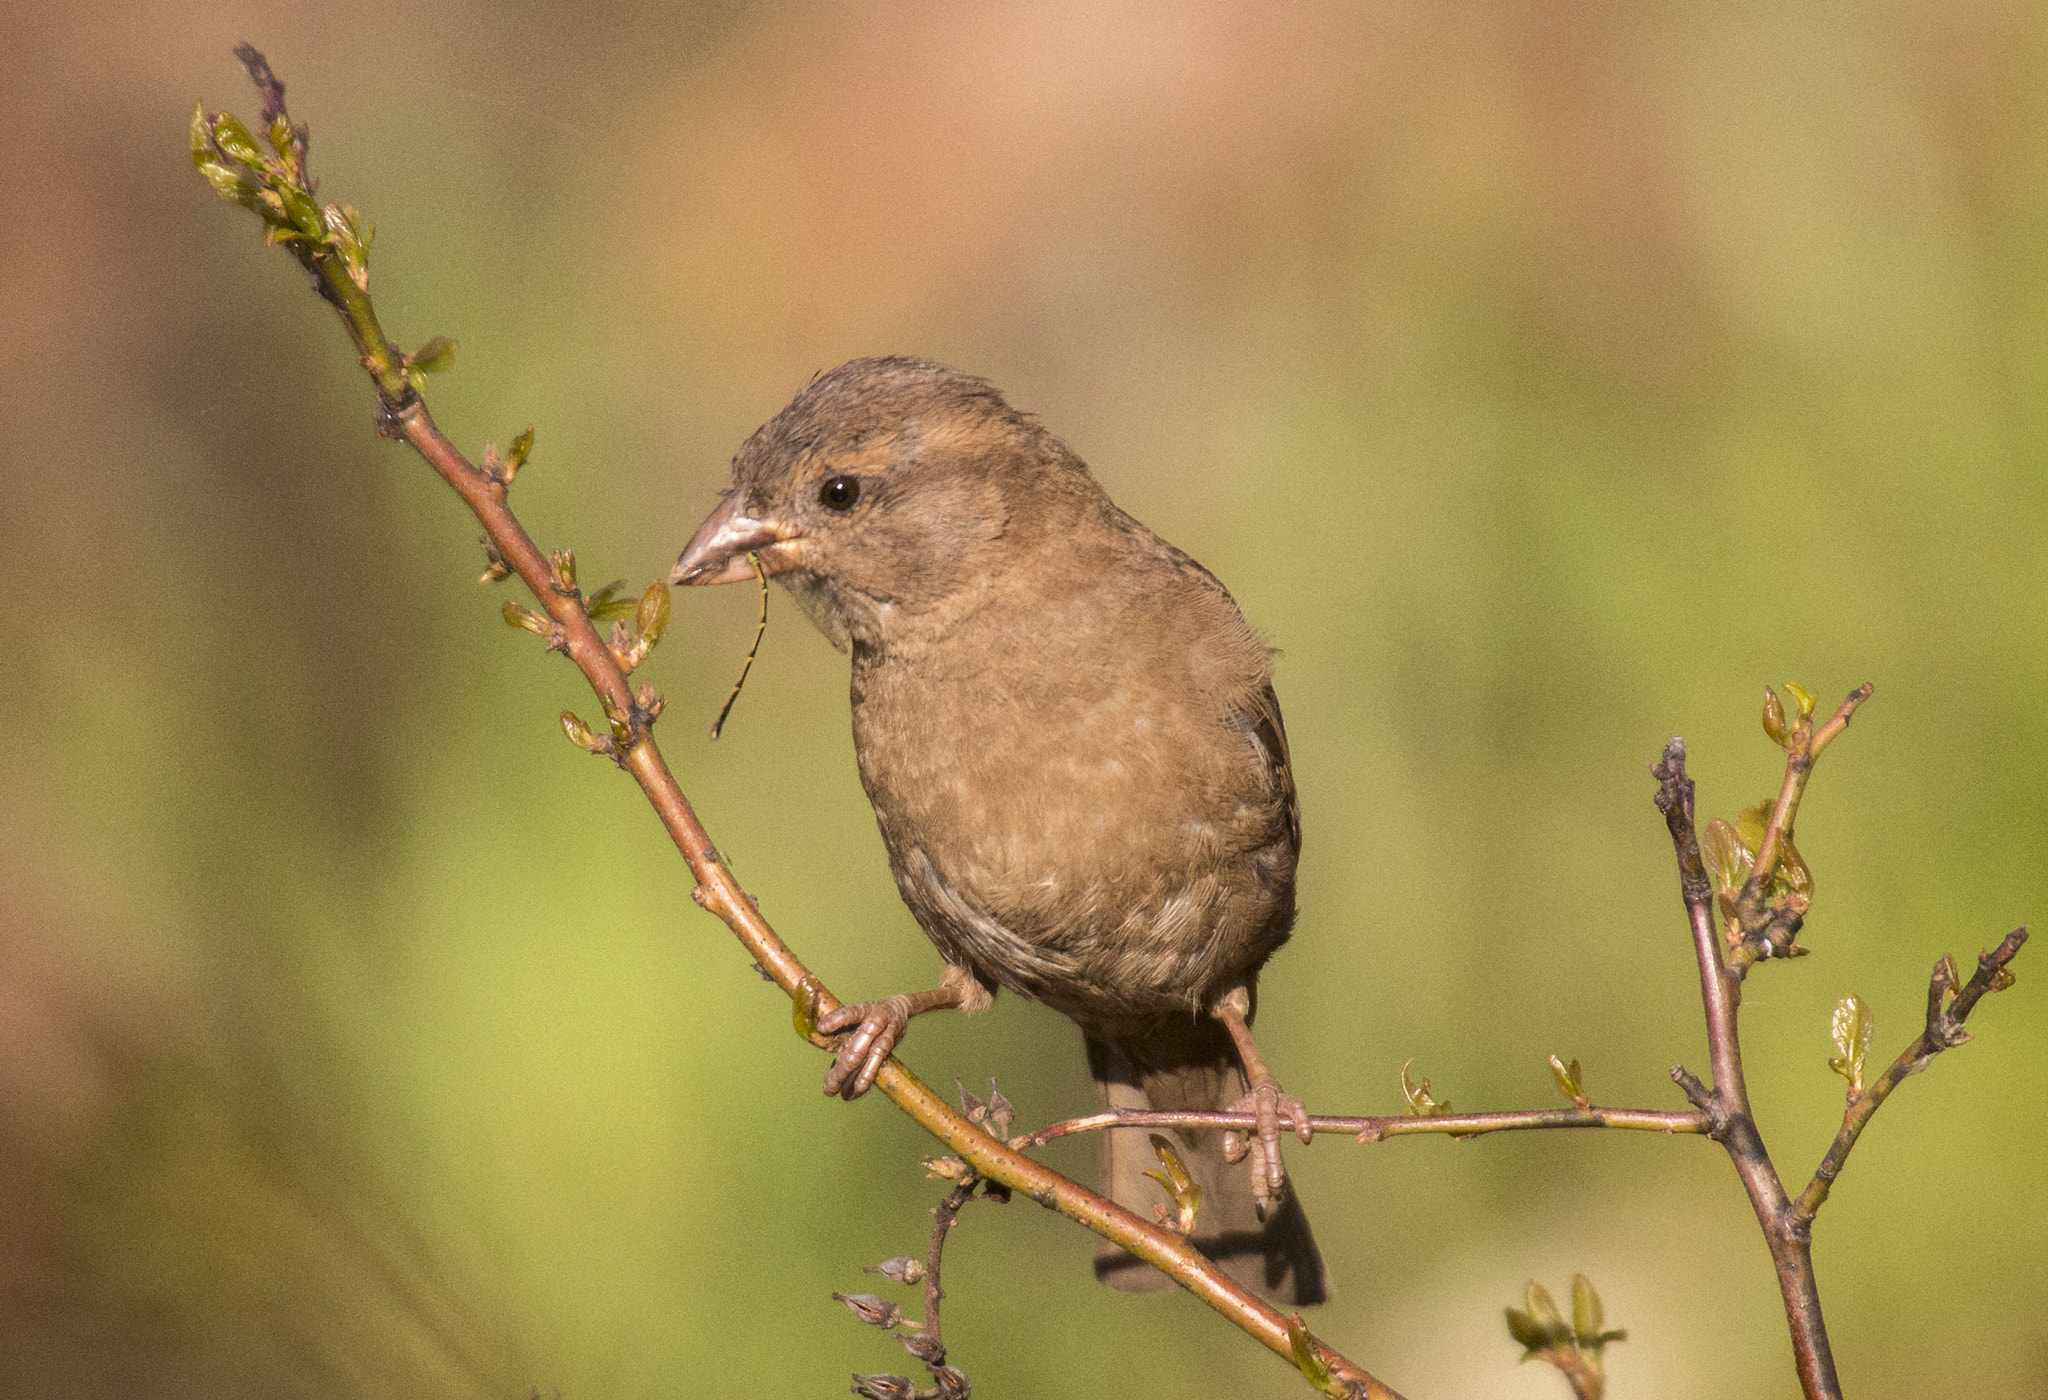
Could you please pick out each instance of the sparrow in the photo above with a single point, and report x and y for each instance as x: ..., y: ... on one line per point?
x: 1070, y: 738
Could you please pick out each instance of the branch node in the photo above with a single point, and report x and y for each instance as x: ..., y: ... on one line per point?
x: 1703, y: 1099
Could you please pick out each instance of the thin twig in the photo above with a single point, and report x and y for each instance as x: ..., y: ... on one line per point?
x: 1767, y: 931
x: 1727, y: 1102
x: 934, y: 1353
x: 1944, y: 1031
x: 1374, y: 1129
x: 760, y: 631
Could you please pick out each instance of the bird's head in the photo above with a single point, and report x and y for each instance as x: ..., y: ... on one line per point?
x: 887, y: 489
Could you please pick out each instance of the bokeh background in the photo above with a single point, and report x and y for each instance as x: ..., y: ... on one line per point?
x: 1544, y: 377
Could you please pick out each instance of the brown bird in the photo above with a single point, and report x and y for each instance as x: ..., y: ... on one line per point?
x: 1070, y: 738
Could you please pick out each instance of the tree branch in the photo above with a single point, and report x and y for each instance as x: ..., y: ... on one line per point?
x: 1944, y: 1031
x: 1371, y: 1129
x: 1727, y: 1103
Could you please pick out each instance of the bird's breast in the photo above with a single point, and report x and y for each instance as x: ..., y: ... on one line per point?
x: 1089, y: 832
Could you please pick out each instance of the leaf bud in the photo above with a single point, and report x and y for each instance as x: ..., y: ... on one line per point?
x: 1568, y: 1079
x: 652, y: 617
x: 880, y: 1387
x: 1774, y: 717
x: 518, y: 616
x: 1302, y: 1347
x: 234, y: 140
x: 580, y: 735
x: 901, y: 1269
x: 871, y: 1308
x: 927, y: 1349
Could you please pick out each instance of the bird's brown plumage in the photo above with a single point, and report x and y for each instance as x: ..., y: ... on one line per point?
x: 1070, y: 738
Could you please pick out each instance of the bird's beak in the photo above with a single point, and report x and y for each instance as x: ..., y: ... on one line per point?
x: 717, y: 553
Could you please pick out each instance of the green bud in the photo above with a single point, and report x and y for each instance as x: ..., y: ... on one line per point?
x: 1421, y: 1103
x: 433, y: 357
x: 579, y: 734
x: 1302, y: 1346
x: 1587, y: 1314
x: 202, y: 136
x: 652, y: 618
x: 235, y: 141
x: 1774, y: 717
x: 517, y: 453
x: 1529, y: 1332
x: 284, y: 140
x: 1946, y: 976
x: 517, y: 616
x: 1526, y: 1333
x: 1728, y: 861
x: 1850, y: 1027
x: 231, y: 186
x: 1173, y: 1179
x: 1801, y: 697
x: 1792, y: 872
x: 1750, y: 825
x: 301, y: 211
x: 1567, y: 1077
x: 495, y: 564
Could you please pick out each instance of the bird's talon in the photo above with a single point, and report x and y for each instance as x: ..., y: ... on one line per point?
x: 1271, y: 1108
x: 872, y: 1029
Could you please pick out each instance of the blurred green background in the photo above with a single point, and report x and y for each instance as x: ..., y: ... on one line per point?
x: 1543, y: 377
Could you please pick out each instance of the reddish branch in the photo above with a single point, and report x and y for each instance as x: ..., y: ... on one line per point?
x: 1727, y: 1102
x: 1948, y: 1007
x: 1458, y: 1125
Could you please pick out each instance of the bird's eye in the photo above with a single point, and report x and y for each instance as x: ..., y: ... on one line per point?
x: 839, y: 492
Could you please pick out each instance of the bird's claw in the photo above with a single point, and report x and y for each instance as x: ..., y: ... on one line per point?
x: 873, y: 1029
x: 1271, y: 1108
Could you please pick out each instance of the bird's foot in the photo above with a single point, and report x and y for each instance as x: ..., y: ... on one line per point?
x: 1271, y: 1108
x: 873, y: 1028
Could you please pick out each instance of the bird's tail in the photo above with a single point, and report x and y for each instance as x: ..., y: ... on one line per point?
x: 1190, y: 1065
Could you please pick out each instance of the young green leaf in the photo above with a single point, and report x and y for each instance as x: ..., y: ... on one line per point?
x: 1421, y: 1103
x: 433, y: 357
x: 652, y: 615
x: 1774, y: 717
x: 1851, y: 1026
x: 1306, y: 1357
x: 1568, y: 1079
x: 1173, y: 1179
x: 1587, y: 1313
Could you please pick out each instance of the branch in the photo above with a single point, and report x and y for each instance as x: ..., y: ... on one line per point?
x: 924, y: 1340
x: 1727, y: 1102
x: 330, y: 244
x: 1458, y: 1125
x: 1944, y: 1031
x: 1768, y: 910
